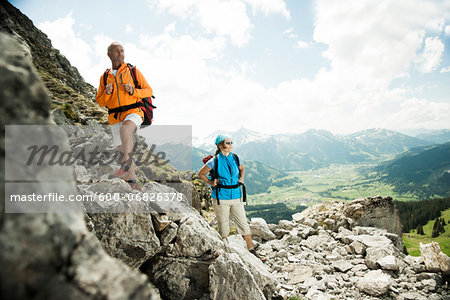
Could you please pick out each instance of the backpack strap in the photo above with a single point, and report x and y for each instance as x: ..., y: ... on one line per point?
x: 133, y: 75
x: 135, y: 81
x: 244, y: 191
x: 216, y: 175
x: 236, y: 159
x: 105, y: 76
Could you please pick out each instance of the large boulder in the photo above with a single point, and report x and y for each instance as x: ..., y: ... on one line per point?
x: 181, y: 278
x: 435, y: 260
x: 128, y: 237
x: 195, y: 238
x: 376, y: 212
x: 260, y: 230
x: 375, y: 283
x: 230, y: 279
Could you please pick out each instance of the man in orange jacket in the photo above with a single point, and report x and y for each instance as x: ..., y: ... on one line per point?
x: 120, y: 91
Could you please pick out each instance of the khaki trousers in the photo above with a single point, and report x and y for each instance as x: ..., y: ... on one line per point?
x: 236, y: 208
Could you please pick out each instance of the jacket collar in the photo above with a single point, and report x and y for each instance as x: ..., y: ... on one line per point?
x: 123, y: 65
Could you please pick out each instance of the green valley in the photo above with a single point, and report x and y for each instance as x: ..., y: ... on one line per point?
x: 412, y: 240
x: 337, y: 182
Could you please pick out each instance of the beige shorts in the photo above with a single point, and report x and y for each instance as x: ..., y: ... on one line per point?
x: 236, y: 208
x: 115, y: 128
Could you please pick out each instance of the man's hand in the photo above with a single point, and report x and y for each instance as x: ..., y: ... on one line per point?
x: 109, y: 89
x: 215, y: 182
x: 129, y: 88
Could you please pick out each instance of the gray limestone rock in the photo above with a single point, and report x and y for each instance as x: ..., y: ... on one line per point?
x: 169, y: 234
x: 357, y: 247
x: 342, y: 265
x: 388, y: 263
x: 286, y: 225
x: 298, y: 218
x: 230, y: 279
x: 260, y: 271
x: 416, y: 263
x: 435, y: 260
x: 128, y: 237
x: 375, y: 212
x: 195, y: 238
x: 374, y: 283
x: 180, y: 278
x: 259, y: 228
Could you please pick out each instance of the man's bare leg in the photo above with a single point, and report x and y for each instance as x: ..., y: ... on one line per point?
x: 126, y: 135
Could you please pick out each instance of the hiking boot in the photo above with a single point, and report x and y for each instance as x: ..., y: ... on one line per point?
x: 253, y: 251
x: 120, y: 173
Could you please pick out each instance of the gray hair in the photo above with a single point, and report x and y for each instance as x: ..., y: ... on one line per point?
x: 112, y: 45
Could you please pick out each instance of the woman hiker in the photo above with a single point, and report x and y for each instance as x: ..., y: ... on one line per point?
x: 227, y: 201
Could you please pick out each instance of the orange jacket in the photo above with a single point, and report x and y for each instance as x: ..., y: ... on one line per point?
x: 119, y: 97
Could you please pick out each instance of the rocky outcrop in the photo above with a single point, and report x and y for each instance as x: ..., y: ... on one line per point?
x: 231, y: 279
x: 50, y: 256
x: 260, y: 230
x: 191, y: 263
x: 39, y: 47
x: 434, y: 259
x: 376, y: 212
x: 72, y: 99
x: 314, y: 260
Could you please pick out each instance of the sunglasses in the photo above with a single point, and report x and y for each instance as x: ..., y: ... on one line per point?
x: 229, y: 143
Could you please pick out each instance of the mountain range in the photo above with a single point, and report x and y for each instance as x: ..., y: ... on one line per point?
x: 315, y: 148
x: 268, y: 157
x: 422, y: 170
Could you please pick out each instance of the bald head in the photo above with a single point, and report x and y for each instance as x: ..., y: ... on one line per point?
x: 113, y: 45
x: 116, y: 54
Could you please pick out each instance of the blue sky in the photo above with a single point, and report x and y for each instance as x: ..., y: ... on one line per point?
x: 272, y: 66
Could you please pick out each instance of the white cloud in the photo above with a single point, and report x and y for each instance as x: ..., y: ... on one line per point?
x: 128, y: 28
x: 290, y: 34
x: 420, y: 113
x: 269, y: 7
x: 289, y: 30
x: 445, y: 70
x: 431, y: 57
x: 447, y: 30
x: 224, y: 18
x: 301, y: 45
x: 86, y: 26
x: 372, y: 42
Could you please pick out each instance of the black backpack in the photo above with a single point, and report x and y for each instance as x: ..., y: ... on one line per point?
x: 145, y: 103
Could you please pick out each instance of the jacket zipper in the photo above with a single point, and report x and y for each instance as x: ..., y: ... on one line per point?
x: 117, y: 89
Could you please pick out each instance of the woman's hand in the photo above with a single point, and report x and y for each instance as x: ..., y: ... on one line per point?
x: 241, y: 180
x: 215, y: 182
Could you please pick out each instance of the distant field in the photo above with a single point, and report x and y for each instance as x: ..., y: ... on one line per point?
x: 412, y: 240
x: 338, y: 182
